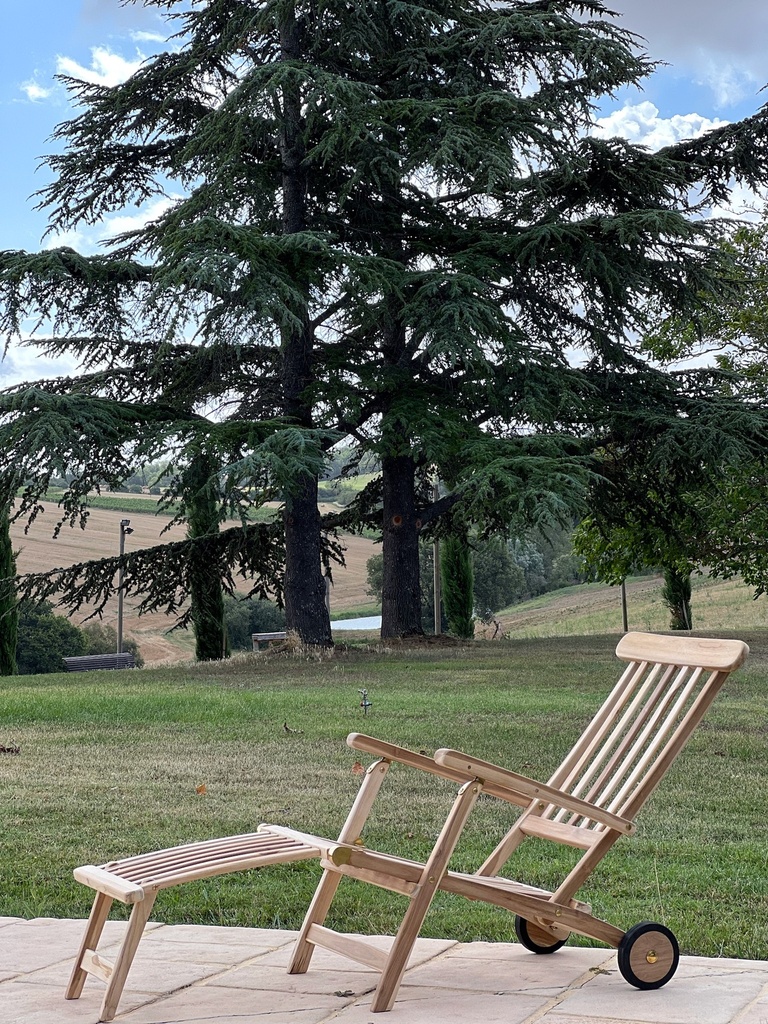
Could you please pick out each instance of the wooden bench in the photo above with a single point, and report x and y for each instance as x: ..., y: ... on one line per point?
x: 137, y: 881
x: 262, y: 640
x: 89, y: 662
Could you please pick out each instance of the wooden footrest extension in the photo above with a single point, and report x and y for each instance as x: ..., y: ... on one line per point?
x: 130, y: 878
x: 137, y: 880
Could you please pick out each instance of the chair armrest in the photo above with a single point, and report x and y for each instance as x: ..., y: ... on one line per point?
x: 520, y: 786
x: 391, y: 752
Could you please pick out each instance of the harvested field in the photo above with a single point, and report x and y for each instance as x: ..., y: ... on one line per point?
x: 39, y: 552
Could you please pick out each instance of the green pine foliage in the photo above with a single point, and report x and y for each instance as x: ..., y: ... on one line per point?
x: 392, y: 221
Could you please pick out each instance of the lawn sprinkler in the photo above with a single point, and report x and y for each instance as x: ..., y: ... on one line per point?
x: 364, y: 703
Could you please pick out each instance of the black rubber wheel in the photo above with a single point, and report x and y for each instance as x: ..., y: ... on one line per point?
x: 648, y: 955
x: 536, y: 939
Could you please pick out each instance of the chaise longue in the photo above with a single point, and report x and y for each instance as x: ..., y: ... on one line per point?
x: 590, y: 802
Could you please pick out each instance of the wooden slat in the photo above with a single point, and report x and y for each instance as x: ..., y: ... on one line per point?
x: 664, y: 724
x: 355, y: 949
x: 97, y: 965
x: 621, y: 738
x: 692, y: 718
x: 129, y: 879
x: 568, y: 835
x: 710, y: 654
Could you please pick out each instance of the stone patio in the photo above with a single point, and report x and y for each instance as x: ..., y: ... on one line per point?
x: 210, y: 975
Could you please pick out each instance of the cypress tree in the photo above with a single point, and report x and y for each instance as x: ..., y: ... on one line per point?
x: 456, y: 568
x: 677, y: 595
x: 9, y: 615
x: 206, y: 592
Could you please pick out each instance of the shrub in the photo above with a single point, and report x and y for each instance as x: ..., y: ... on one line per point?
x: 45, y: 639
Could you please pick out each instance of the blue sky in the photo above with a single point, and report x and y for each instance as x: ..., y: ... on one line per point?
x: 716, y: 56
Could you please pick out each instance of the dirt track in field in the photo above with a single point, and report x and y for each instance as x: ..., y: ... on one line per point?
x: 39, y: 552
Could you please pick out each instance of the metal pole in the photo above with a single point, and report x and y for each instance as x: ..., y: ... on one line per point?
x: 124, y: 529
x: 624, y: 620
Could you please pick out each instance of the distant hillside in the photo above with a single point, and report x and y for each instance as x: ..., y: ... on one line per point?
x: 39, y: 552
x: 594, y: 608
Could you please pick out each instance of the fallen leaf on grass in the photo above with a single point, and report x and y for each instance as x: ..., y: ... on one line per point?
x: 202, y: 789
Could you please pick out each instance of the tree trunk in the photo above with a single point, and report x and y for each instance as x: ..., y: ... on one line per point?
x: 401, y: 588
x: 306, y: 611
x: 677, y: 597
x: 9, y: 613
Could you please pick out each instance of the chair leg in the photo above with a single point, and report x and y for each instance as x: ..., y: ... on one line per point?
x: 410, y: 926
x: 139, y: 917
x: 99, y: 914
x: 400, y: 951
x: 330, y: 880
x: 316, y: 914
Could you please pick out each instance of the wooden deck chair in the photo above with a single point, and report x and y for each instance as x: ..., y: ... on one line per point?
x: 590, y: 801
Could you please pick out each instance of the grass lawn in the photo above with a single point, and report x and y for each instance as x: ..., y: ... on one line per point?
x: 110, y: 764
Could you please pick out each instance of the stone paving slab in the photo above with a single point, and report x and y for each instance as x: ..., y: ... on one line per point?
x: 195, y: 974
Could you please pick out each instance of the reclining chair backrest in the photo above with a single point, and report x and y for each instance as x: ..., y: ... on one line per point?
x: 668, y: 684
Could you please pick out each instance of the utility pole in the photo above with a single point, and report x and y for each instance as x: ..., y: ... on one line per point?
x: 437, y: 583
x: 125, y: 528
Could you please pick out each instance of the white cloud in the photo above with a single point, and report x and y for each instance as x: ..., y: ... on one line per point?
x: 34, y: 91
x: 123, y: 222
x: 641, y: 124
x: 729, y: 84
x: 148, y: 37
x: 22, y: 363
x: 106, y: 68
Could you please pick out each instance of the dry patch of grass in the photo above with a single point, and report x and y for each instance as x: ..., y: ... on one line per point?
x: 595, y: 608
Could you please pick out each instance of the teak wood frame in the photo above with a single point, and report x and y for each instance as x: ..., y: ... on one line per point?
x: 590, y: 802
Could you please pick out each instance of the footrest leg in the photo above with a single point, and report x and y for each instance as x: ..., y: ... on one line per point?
x: 139, y: 917
x: 99, y: 913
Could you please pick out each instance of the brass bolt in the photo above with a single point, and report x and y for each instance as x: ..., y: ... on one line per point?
x: 651, y: 956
